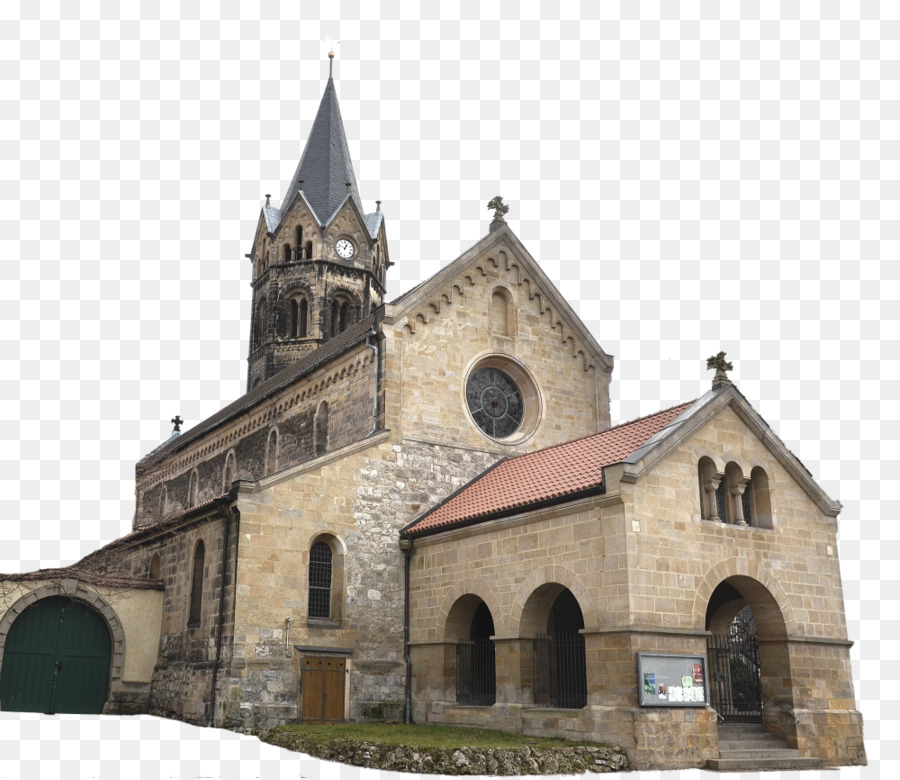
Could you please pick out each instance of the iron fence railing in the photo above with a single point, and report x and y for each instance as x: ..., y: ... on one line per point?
x: 560, y: 673
x: 476, y: 680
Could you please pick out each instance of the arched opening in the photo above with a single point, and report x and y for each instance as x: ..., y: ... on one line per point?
x: 747, y: 654
x: 760, y: 498
x: 325, y: 580
x: 309, y: 250
x: 229, y: 472
x: 342, y: 315
x: 163, y: 501
x: 154, y: 567
x: 271, y: 463
x: 195, y: 608
x: 56, y: 659
x: 287, y: 253
x: 502, y: 316
x: 194, y: 489
x: 709, y: 490
x: 260, y: 323
x: 320, y: 429
x: 298, y: 314
x: 559, y: 667
x: 299, y: 236
x: 470, y: 626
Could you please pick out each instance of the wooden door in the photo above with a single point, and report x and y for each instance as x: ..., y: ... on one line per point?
x: 322, y: 689
x: 56, y: 659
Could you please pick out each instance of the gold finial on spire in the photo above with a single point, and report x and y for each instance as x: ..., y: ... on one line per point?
x: 330, y: 62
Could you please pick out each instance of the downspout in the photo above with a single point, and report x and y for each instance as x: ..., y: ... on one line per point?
x: 374, y: 347
x: 226, y: 514
x: 406, y: 546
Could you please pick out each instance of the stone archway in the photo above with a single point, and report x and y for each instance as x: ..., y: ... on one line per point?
x: 71, y: 591
x: 773, y: 619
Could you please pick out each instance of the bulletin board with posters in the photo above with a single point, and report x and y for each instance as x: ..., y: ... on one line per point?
x: 666, y: 680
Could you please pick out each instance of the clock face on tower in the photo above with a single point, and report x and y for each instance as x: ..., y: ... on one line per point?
x: 344, y: 248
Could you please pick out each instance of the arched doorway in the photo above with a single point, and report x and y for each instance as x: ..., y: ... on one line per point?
x: 560, y: 671
x: 471, y: 624
x: 56, y: 659
x: 746, y: 651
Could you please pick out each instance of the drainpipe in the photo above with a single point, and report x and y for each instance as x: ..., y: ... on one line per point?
x: 374, y: 347
x: 226, y: 514
x: 406, y: 546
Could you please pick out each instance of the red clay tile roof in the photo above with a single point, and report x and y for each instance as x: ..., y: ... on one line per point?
x: 538, y: 477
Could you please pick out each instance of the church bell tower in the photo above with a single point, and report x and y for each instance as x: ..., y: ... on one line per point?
x: 319, y: 261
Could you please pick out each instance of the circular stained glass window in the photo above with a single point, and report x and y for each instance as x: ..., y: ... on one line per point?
x: 495, y: 402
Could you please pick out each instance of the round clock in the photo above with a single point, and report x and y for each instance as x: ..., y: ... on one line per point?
x: 344, y: 248
x: 495, y: 402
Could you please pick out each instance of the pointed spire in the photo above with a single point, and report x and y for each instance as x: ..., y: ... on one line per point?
x: 325, y: 169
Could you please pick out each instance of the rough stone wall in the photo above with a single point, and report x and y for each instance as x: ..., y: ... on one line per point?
x: 363, y: 498
x: 347, y: 384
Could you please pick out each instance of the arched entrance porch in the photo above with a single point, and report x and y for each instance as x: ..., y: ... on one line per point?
x: 749, y: 663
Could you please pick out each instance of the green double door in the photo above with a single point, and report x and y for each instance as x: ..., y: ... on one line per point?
x: 56, y: 659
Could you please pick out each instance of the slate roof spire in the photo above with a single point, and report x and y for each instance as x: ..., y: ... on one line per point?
x: 325, y: 167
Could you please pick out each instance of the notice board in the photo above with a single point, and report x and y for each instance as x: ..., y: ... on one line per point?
x: 667, y: 680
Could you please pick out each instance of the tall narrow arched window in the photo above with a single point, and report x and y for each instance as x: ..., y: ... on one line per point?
x: 761, y: 500
x: 261, y: 323
x: 197, y: 585
x: 271, y: 463
x: 194, y: 489
x: 293, y: 317
x: 320, y: 581
x: 299, y: 234
x: 309, y: 250
x: 154, y: 567
x: 163, y: 501
x: 287, y: 253
x: 502, y: 315
x: 302, y: 318
x: 230, y: 471
x: 320, y: 429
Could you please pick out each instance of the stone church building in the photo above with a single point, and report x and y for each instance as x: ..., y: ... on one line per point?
x: 419, y: 510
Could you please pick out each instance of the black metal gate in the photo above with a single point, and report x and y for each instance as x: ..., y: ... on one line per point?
x: 735, y: 690
x: 560, y: 678
x: 476, y: 680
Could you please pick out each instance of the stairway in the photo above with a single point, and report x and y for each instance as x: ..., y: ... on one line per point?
x: 748, y: 747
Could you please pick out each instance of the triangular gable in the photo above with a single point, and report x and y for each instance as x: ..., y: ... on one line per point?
x: 418, y: 303
x: 701, y: 412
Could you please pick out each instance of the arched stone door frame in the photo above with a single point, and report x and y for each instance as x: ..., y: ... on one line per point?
x: 776, y: 624
x: 76, y: 591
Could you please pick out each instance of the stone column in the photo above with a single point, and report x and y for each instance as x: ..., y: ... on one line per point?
x: 737, y: 490
x: 711, y: 486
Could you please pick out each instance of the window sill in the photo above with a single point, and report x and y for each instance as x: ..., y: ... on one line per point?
x: 322, y: 623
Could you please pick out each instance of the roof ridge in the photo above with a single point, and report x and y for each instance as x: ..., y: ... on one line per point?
x: 612, y: 428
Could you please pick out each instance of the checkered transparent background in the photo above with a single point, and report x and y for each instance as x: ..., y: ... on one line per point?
x: 693, y: 177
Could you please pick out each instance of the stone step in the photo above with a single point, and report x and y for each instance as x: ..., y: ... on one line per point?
x: 742, y: 744
x: 762, y: 764
x: 782, y: 752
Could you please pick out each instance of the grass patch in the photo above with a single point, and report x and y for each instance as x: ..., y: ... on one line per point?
x: 423, y: 736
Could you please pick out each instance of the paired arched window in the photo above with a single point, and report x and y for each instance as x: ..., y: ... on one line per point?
x: 298, y: 317
x: 728, y: 497
x: 320, y: 429
x: 197, y: 585
x: 342, y: 315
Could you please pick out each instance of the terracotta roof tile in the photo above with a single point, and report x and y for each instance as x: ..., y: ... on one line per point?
x: 537, y: 477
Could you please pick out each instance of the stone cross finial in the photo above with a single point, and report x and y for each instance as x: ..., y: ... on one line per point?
x: 721, y: 365
x: 177, y: 422
x: 500, y: 208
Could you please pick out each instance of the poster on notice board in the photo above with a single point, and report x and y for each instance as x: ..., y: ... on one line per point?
x: 667, y: 680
